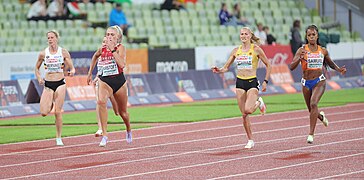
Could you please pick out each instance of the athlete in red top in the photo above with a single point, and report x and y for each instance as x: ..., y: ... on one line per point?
x: 111, y: 79
x: 313, y: 58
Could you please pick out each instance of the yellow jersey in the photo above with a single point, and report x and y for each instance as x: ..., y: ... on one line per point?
x: 246, y: 60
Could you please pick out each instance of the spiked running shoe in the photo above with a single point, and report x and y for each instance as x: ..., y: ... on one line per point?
x: 103, y: 141
x: 98, y: 133
x: 262, y: 106
x: 129, y: 137
x: 310, y: 139
x: 324, y: 119
x: 59, y: 142
x: 250, y: 144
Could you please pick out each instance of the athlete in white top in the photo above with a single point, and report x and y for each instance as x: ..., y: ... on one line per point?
x: 55, y: 60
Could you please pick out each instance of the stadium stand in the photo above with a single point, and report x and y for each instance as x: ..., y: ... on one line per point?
x: 153, y: 28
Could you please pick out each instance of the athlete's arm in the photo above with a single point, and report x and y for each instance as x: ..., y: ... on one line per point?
x: 228, y: 63
x: 96, y: 55
x: 267, y: 63
x: 37, y: 67
x: 296, y: 59
x: 120, y: 56
x: 68, y: 62
x: 332, y: 64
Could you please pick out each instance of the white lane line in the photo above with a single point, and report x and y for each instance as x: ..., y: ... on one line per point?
x: 178, y: 133
x: 166, y: 144
x: 339, y: 175
x: 184, y: 153
x: 189, y: 123
x: 229, y: 160
x: 289, y: 166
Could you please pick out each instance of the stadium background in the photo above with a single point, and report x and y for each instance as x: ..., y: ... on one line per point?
x: 170, y: 52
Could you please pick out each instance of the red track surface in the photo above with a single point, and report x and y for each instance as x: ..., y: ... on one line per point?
x: 203, y: 150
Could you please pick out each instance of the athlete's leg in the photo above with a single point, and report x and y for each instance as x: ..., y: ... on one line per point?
x: 121, y: 98
x: 99, y: 130
x: 251, y: 101
x: 59, y: 96
x: 104, y: 92
x: 46, y: 101
x: 114, y: 104
x: 317, y: 93
x: 241, y: 96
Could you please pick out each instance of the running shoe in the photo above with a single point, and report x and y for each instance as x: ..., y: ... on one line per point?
x: 324, y: 119
x: 310, y: 139
x: 98, y: 133
x: 103, y: 141
x: 59, y: 142
x: 250, y: 144
x: 129, y: 137
x: 262, y: 106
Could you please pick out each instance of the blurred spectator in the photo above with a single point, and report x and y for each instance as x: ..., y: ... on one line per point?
x: 296, y: 39
x: 38, y: 11
x: 225, y: 17
x: 172, y: 4
x: 261, y: 34
x: 270, y: 38
x: 240, y: 20
x: 56, y: 10
x: 117, y: 17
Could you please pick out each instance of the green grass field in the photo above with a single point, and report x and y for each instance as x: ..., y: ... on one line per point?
x: 34, y: 128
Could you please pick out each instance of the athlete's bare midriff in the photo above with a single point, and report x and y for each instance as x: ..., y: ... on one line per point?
x: 312, y: 74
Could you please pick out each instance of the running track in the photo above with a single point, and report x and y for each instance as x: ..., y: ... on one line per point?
x: 203, y: 150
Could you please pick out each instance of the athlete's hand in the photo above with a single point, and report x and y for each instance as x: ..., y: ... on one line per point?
x: 215, y: 69
x: 342, y: 70
x: 89, y: 79
x: 110, y: 44
x: 71, y: 72
x: 41, y: 81
x: 264, y: 86
x: 95, y: 81
x: 303, y: 53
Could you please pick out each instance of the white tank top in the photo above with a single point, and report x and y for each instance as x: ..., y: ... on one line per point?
x: 53, y: 62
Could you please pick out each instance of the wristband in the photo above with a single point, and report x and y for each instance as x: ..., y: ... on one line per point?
x: 115, y: 48
x: 266, y: 81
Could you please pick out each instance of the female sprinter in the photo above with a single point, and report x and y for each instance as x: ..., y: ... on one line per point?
x: 111, y: 80
x: 247, y: 56
x: 112, y: 99
x: 313, y: 58
x: 54, y: 59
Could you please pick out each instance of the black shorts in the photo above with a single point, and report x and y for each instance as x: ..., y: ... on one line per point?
x: 247, y: 84
x: 54, y: 84
x: 115, y: 81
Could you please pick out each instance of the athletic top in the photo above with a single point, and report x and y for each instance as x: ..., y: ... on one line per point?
x: 107, y: 64
x: 312, y: 60
x: 53, y: 63
x: 246, y: 60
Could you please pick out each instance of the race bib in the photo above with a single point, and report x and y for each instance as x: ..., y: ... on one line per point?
x: 315, y: 61
x: 109, y: 68
x: 53, y: 65
x: 244, y: 62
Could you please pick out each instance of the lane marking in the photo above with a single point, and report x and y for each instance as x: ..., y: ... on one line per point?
x: 188, y: 123
x: 166, y: 144
x: 289, y: 166
x: 191, y: 152
x: 232, y: 159
x: 171, y: 134
x: 339, y: 175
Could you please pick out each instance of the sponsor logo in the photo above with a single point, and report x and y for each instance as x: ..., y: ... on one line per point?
x: 171, y: 66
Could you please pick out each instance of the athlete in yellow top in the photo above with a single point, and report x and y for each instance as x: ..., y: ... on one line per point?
x: 246, y: 57
x: 313, y: 59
